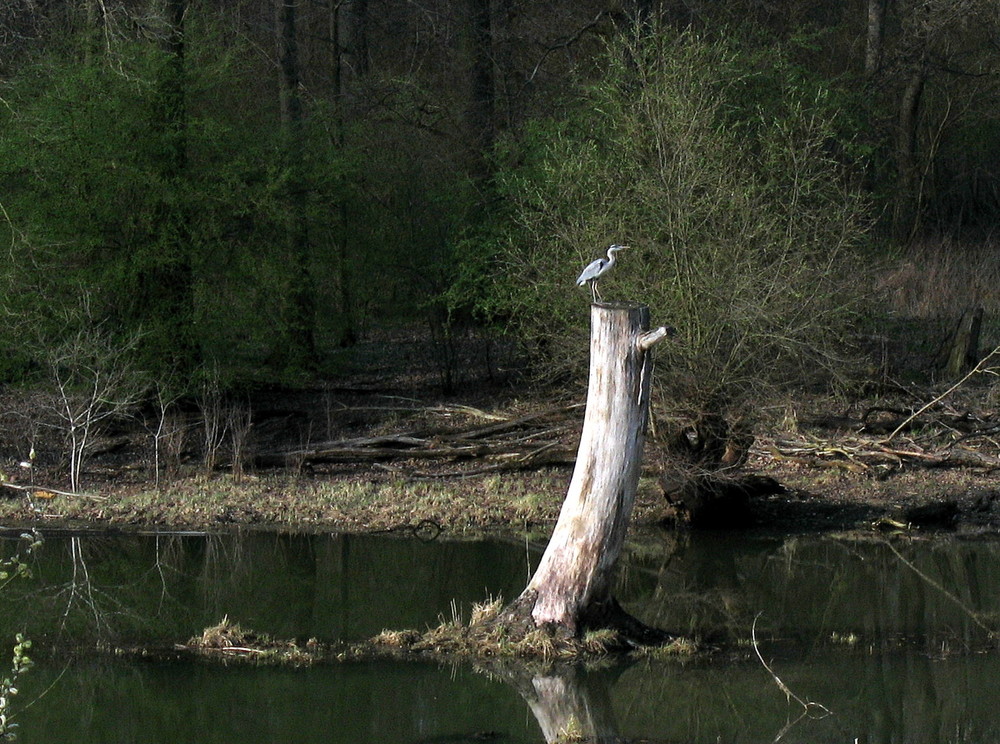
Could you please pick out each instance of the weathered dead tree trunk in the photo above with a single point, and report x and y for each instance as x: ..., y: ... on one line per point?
x: 571, y: 589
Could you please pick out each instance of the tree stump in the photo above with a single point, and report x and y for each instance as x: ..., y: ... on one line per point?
x: 571, y: 590
x: 964, y: 351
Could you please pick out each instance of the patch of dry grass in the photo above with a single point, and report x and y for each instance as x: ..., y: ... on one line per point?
x: 677, y: 648
x: 396, y: 638
x: 924, y: 294
x: 571, y: 733
x: 944, y: 278
x: 483, y: 612
x: 224, y: 635
x: 352, y: 503
x: 481, y: 638
x: 478, y: 639
x: 228, y: 640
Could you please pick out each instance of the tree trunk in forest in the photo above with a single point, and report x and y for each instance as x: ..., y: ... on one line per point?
x: 505, y: 85
x: 481, y: 108
x: 302, y: 310
x: 352, y: 44
x: 175, y: 113
x: 906, y: 213
x: 168, y: 287
x: 94, y: 22
x: 874, y: 36
x: 349, y: 32
x: 571, y: 589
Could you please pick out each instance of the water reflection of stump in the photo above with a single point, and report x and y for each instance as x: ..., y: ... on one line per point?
x: 568, y: 703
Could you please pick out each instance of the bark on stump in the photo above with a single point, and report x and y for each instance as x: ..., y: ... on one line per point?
x: 571, y: 590
x: 964, y: 352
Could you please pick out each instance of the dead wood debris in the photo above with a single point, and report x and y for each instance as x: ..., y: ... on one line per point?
x: 886, y: 439
x: 869, y: 457
x: 505, y: 443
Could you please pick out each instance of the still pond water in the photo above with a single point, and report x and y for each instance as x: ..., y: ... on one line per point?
x: 892, y: 635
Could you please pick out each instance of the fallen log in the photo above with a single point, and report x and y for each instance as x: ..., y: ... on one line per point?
x: 551, y: 454
x: 528, y: 436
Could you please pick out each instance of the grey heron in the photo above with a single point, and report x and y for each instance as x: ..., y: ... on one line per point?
x: 596, y: 269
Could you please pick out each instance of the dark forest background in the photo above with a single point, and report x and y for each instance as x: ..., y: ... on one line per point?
x: 244, y: 191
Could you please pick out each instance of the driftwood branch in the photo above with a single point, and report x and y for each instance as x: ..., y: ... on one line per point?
x: 553, y: 453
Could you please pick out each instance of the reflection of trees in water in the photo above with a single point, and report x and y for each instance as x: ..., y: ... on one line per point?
x: 219, y: 563
x: 145, y: 587
x: 201, y: 569
x: 905, y: 696
x: 874, y: 589
x: 96, y: 596
x: 94, y: 588
x: 80, y: 589
x: 154, y: 588
x: 877, y: 589
x: 894, y: 622
x: 684, y: 583
x: 580, y: 704
x: 925, y: 690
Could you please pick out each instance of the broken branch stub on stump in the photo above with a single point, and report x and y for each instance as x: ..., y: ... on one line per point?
x: 571, y: 587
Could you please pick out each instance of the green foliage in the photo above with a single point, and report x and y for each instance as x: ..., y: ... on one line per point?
x: 416, y: 199
x: 166, y: 211
x: 10, y: 569
x: 726, y: 176
x: 8, y: 687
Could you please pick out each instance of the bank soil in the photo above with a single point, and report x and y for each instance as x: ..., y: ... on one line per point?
x: 363, y: 461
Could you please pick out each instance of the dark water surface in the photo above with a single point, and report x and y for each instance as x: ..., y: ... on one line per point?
x: 890, y: 634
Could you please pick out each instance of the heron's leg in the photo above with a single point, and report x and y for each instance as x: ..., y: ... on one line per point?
x: 597, y: 295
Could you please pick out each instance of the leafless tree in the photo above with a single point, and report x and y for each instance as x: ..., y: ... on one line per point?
x: 169, y: 434
x: 239, y: 422
x: 213, y: 419
x: 94, y: 378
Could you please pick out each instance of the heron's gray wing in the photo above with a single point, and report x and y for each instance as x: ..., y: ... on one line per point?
x: 592, y: 271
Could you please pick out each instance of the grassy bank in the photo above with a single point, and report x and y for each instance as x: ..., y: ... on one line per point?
x: 353, y: 504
